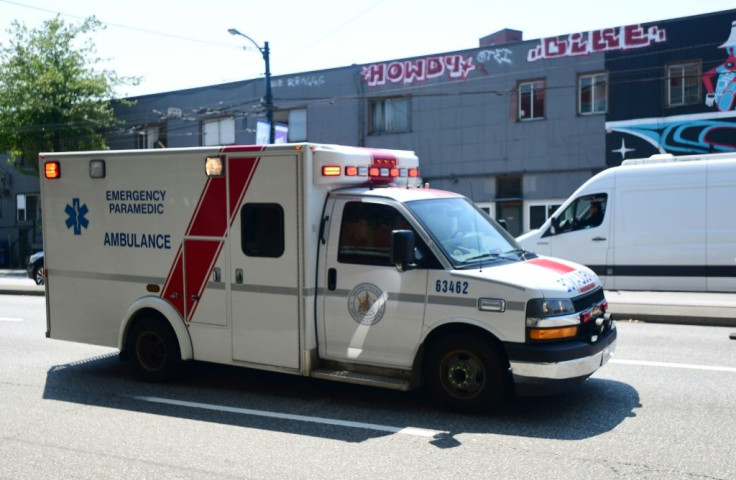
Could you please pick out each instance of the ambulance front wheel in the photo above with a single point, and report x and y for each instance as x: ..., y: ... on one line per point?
x: 154, y: 350
x: 464, y: 373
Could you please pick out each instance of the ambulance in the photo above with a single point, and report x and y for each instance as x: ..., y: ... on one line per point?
x: 326, y: 261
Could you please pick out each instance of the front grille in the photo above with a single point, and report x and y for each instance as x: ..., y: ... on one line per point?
x: 589, y: 300
x: 589, y: 330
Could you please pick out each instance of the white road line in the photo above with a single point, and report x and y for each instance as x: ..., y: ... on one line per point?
x: 8, y: 319
x: 644, y: 363
x: 419, y: 432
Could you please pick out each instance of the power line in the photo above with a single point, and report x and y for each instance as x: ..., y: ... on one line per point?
x: 119, y: 25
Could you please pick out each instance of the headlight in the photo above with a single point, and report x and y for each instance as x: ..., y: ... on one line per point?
x: 549, y: 307
x: 551, y: 319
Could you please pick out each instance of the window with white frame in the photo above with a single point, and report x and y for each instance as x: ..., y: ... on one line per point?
x: 683, y: 84
x: 298, y: 125
x: 218, y: 131
x: 28, y: 208
x: 151, y: 137
x: 390, y: 115
x: 531, y: 100
x: 592, y: 93
x: 539, y: 212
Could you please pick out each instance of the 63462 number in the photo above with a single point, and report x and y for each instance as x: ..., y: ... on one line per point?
x: 458, y: 287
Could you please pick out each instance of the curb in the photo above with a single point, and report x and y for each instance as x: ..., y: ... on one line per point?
x: 23, y: 292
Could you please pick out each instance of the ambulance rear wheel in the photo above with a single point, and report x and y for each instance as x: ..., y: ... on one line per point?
x: 154, y: 350
x: 465, y: 374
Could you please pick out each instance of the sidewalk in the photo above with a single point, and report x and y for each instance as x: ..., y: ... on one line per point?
x: 16, y: 282
x: 689, y: 308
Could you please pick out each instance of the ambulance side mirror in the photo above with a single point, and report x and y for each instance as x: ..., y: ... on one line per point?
x: 402, y: 250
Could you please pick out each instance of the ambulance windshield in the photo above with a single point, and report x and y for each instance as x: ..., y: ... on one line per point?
x: 464, y: 233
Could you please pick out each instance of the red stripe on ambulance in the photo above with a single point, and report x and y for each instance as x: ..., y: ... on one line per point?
x: 210, y: 219
x: 560, y: 268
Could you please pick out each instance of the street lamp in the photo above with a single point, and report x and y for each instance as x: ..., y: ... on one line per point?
x: 269, y: 97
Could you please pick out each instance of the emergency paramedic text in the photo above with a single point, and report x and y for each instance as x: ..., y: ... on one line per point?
x: 136, y: 202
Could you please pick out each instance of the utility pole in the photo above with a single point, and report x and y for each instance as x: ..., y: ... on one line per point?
x: 268, y: 100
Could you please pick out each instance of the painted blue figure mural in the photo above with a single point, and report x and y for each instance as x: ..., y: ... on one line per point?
x: 723, y: 96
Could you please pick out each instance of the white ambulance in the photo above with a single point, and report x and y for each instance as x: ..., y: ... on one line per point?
x: 316, y: 260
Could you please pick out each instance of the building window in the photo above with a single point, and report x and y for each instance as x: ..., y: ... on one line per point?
x: 151, y: 137
x: 298, y: 125
x: 531, y: 100
x: 390, y: 115
x: 220, y: 131
x: 262, y: 230
x: 538, y: 213
x: 28, y: 208
x: 683, y: 84
x: 592, y: 93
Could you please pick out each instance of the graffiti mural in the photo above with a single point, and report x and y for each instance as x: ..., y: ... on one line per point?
x: 408, y: 72
x: 679, y: 135
x: 723, y: 96
x: 500, y: 55
x: 604, y: 40
x: 639, y: 128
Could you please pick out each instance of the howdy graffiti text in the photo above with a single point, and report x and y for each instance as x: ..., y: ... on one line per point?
x: 607, y: 39
x: 410, y: 71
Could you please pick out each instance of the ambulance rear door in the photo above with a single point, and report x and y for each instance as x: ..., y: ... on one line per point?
x: 264, y: 261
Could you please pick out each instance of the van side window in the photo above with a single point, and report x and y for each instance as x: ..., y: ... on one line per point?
x: 262, y: 229
x: 583, y: 213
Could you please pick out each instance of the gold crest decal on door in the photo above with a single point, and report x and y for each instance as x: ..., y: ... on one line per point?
x: 367, y: 304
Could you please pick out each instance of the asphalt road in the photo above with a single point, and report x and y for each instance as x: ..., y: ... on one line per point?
x: 663, y: 409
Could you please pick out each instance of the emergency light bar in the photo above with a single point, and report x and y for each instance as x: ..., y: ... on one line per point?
x: 373, y: 172
x: 336, y: 165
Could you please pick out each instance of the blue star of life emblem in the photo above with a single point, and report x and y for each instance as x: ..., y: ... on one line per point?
x: 76, y: 216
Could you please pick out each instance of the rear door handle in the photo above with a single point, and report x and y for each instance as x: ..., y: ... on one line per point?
x: 599, y: 239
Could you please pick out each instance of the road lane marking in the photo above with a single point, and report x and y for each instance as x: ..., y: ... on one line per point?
x: 418, y: 432
x: 688, y: 366
x: 8, y: 319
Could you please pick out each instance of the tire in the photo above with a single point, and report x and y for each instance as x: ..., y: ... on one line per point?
x: 464, y: 373
x: 154, y: 350
x: 38, y: 275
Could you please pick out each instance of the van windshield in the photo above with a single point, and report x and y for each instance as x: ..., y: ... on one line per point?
x: 466, y: 235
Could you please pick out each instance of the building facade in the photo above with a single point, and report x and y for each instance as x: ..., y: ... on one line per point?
x: 515, y: 125
x: 20, y: 215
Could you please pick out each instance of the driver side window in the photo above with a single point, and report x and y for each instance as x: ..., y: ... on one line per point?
x: 365, y: 235
x: 583, y: 213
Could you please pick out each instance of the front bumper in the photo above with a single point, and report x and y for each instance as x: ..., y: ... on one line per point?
x: 539, y: 369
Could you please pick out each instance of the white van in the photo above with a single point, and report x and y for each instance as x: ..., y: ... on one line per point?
x: 665, y: 223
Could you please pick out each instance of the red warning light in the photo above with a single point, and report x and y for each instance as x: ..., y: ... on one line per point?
x: 52, y: 170
x: 331, y: 171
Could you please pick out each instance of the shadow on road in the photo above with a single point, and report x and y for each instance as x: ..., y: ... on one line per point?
x: 596, y: 407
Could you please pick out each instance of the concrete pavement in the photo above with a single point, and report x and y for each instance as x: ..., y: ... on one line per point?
x: 16, y: 282
x: 689, y: 308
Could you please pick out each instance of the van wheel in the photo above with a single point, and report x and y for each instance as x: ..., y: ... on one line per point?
x: 464, y: 373
x: 154, y: 350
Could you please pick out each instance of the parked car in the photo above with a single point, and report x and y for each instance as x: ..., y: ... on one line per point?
x: 35, y: 268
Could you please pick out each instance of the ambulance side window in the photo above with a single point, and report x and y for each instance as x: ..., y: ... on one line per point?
x: 262, y: 229
x: 365, y: 233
